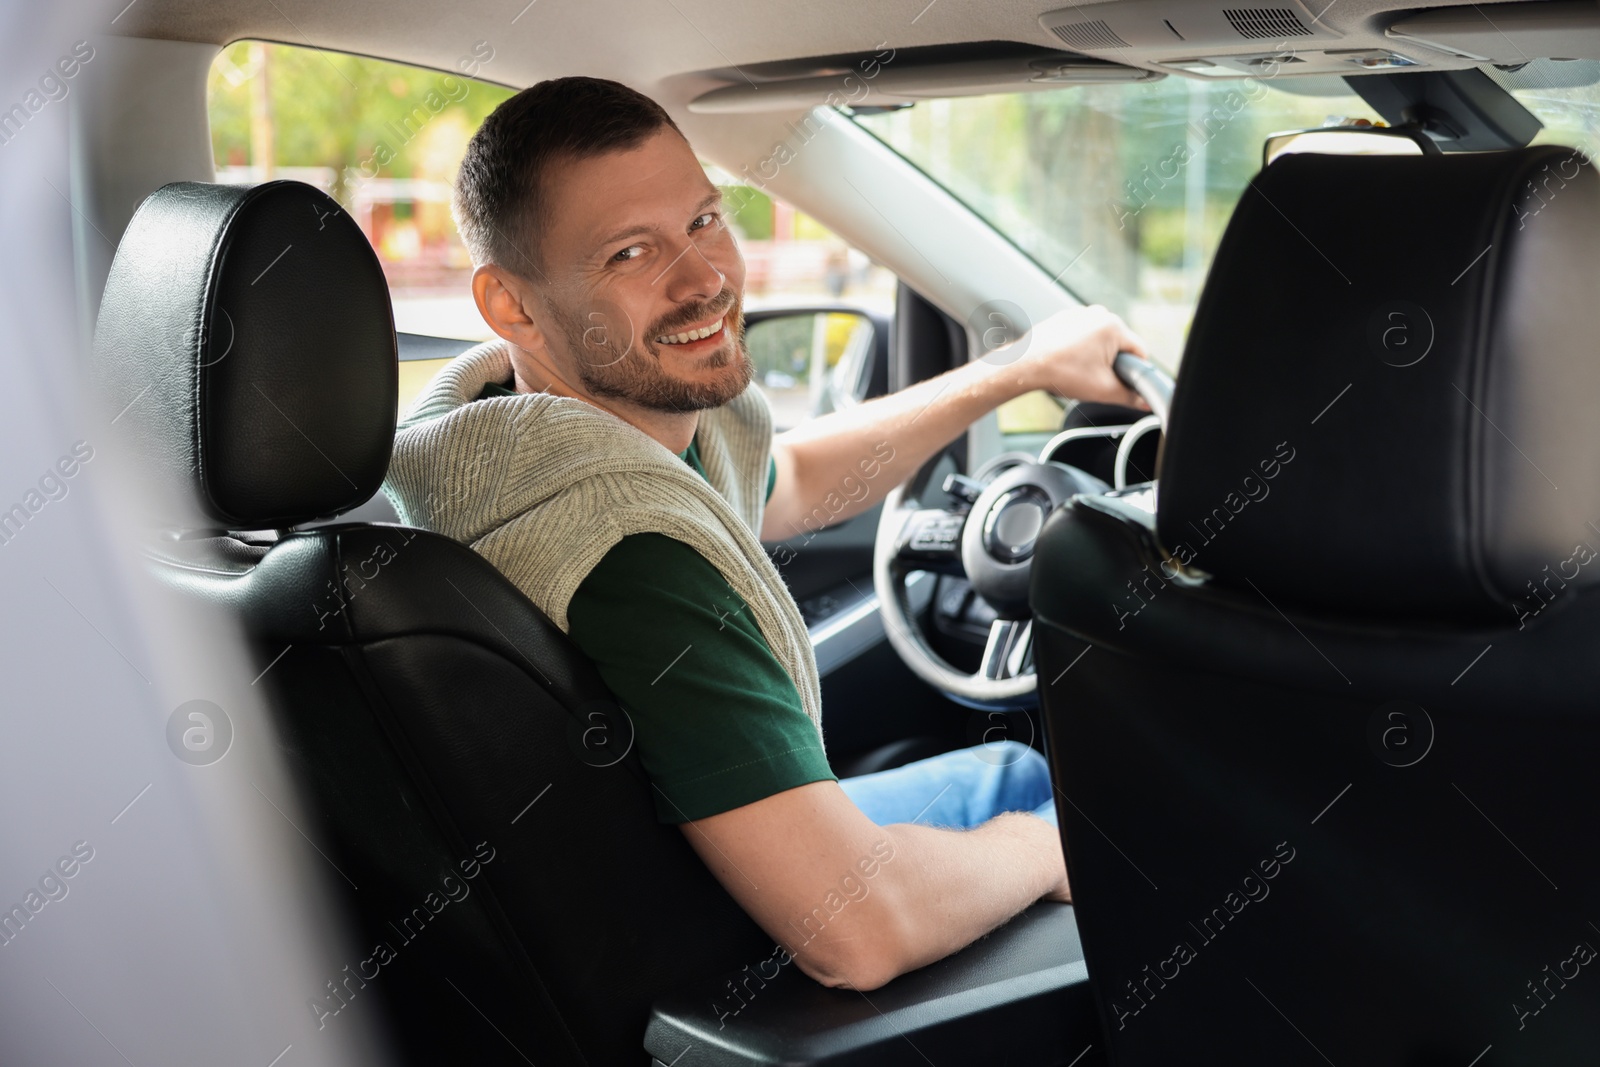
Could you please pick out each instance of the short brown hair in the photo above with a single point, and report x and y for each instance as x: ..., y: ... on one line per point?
x: 499, y: 203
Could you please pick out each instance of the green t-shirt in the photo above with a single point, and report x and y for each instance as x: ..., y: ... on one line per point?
x: 717, y: 720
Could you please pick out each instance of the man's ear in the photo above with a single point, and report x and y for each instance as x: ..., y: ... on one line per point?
x: 499, y: 295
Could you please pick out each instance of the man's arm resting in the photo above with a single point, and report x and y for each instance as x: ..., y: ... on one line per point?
x: 857, y: 904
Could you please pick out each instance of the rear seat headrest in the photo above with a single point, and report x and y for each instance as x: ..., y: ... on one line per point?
x: 1390, y: 398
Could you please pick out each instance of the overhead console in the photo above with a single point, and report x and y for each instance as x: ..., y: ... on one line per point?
x: 1283, y: 37
x: 1271, y: 38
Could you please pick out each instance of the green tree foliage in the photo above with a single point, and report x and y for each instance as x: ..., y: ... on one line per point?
x: 751, y: 211
x: 362, y: 117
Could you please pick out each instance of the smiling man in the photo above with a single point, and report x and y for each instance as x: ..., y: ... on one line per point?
x: 611, y: 457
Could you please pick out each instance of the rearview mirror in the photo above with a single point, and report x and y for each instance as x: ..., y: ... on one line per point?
x: 1349, y: 141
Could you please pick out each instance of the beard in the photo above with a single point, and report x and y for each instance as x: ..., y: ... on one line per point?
x: 615, y: 360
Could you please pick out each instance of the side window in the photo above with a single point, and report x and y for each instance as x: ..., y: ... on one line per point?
x: 386, y: 139
x: 806, y: 364
x: 1031, y: 413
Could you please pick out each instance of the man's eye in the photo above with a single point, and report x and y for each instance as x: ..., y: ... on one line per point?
x: 632, y: 252
x: 703, y: 221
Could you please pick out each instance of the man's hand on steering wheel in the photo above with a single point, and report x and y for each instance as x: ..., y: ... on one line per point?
x: 1087, y: 353
x: 1070, y: 353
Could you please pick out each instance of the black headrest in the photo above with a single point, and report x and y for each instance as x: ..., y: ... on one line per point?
x: 1387, y: 404
x: 246, y: 338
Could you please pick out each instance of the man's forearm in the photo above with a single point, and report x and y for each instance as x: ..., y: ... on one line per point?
x: 1070, y: 353
x: 828, y: 452
x: 953, y: 886
x: 908, y: 894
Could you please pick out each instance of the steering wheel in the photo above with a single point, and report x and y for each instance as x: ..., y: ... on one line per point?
x: 988, y: 538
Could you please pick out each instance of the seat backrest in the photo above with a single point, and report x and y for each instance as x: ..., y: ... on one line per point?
x: 472, y: 780
x: 1330, y: 734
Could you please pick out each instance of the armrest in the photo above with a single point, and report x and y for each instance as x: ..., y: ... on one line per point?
x: 1021, y: 994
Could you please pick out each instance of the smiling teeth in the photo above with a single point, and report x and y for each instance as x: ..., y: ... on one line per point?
x: 692, y: 335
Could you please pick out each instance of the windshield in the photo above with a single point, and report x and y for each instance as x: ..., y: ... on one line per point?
x: 1121, y: 192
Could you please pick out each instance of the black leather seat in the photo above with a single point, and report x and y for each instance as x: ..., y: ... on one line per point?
x: 1330, y: 801
x: 467, y: 767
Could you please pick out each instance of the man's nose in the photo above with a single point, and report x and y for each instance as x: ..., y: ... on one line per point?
x: 692, y: 276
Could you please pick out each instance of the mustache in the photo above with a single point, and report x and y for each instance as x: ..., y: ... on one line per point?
x: 675, y: 323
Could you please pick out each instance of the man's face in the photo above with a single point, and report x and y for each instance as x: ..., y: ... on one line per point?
x: 637, y: 257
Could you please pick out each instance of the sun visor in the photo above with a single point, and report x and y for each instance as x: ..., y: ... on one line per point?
x: 1507, y: 33
x: 904, y: 77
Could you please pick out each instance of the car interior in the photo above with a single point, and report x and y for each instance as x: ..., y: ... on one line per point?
x: 1303, y: 642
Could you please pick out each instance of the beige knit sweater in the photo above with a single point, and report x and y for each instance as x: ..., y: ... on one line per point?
x: 542, y: 486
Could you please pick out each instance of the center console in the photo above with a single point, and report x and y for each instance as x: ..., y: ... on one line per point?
x: 1019, y: 996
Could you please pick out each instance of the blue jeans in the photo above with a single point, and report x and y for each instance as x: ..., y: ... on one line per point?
x: 959, y: 789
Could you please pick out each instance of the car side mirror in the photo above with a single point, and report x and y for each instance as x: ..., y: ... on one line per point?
x: 811, y: 362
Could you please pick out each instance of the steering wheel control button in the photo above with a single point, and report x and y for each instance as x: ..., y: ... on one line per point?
x: 936, y: 533
x: 963, y: 488
x: 1013, y: 524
